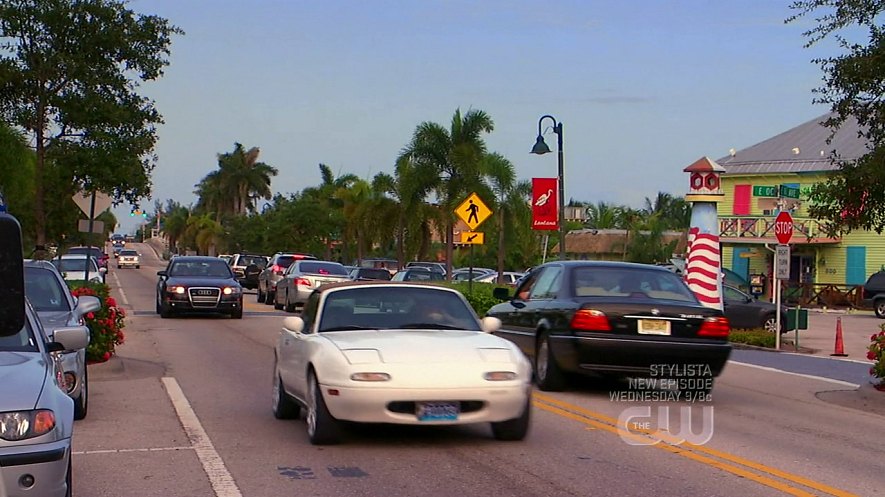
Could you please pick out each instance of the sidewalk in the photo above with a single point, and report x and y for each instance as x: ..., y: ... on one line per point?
x: 820, y: 337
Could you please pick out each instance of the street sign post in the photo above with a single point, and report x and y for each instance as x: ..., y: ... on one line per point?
x: 783, y: 230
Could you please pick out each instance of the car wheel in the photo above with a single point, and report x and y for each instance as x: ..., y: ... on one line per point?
x: 770, y: 323
x: 879, y: 305
x: 259, y: 296
x: 283, y: 405
x: 547, y: 373
x: 118, y: 266
x: 137, y: 267
x: 269, y: 298
x: 322, y: 428
x: 157, y: 305
x: 287, y: 306
x: 69, y: 478
x: 237, y: 314
x: 81, y: 403
x: 165, y: 311
x: 516, y: 428
x: 276, y: 304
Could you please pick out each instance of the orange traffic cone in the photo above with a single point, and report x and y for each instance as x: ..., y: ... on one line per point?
x: 840, y: 347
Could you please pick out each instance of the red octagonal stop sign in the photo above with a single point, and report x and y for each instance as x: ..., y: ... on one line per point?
x: 783, y: 227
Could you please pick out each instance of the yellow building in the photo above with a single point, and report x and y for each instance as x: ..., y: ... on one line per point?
x: 775, y: 175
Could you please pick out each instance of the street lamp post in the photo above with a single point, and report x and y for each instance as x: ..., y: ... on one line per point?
x: 541, y: 148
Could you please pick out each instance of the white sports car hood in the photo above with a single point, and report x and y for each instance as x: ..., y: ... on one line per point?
x: 425, y: 346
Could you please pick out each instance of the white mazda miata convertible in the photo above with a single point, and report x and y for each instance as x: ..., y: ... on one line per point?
x: 402, y: 353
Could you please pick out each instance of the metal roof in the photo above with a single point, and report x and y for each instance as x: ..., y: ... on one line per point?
x: 802, y: 149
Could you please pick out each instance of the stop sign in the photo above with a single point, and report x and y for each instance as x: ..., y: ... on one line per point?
x: 783, y: 227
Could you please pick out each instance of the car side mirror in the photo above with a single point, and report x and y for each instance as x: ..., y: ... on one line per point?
x: 162, y: 274
x: 102, y: 270
x: 294, y: 324
x: 71, y: 337
x: 87, y: 304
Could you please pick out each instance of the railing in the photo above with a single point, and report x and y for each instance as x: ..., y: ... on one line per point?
x: 763, y: 227
x: 823, y: 294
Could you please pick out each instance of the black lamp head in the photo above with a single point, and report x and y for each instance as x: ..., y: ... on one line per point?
x: 540, y: 147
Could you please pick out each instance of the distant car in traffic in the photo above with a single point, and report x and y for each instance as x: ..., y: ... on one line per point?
x: 198, y: 284
x: 509, y: 278
x: 100, y: 256
x: 246, y: 268
x: 418, y: 274
x: 129, y: 257
x: 370, y: 274
x: 398, y: 353
x: 302, y: 278
x: 73, y: 267
x: 271, y: 275
x: 744, y: 311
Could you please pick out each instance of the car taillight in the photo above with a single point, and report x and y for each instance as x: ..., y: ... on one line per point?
x: 277, y: 269
x: 590, y: 320
x: 715, y: 327
x: 302, y: 281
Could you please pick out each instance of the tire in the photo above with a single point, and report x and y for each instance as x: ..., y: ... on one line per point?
x: 548, y: 376
x: 283, y: 406
x: 137, y: 267
x: 69, y: 478
x: 81, y: 403
x: 157, y: 305
x: 165, y: 312
x: 287, y: 306
x: 770, y: 323
x: 879, y: 306
x: 269, y: 298
x: 514, y: 429
x: 237, y: 314
x: 322, y: 428
x: 276, y: 305
x: 259, y: 296
x: 118, y: 266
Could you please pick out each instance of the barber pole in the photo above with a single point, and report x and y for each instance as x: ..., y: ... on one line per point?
x: 703, y: 265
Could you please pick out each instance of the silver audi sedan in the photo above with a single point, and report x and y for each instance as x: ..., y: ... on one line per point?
x: 56, y: 307
x: 36, y: 415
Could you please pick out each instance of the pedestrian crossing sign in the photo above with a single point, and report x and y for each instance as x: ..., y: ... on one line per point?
x: 473, y: 211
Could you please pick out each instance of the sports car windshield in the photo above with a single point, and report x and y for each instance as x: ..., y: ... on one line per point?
x: 396, y: 307
x: 206, y: 268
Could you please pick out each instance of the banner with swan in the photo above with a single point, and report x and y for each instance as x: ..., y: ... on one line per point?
x: 545, y: 204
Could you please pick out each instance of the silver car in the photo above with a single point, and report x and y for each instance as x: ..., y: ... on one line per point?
x: 302, y: 278
x: 129, y: 257
x: 56, y: 307
x: 36, y: 415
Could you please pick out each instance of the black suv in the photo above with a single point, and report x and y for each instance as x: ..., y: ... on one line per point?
x: 874, y: 293
x: 246, y: 268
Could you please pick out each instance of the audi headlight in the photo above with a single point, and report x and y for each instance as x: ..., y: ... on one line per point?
x: 22, y: 425
x: 176, y: 289
x: 231, y: 290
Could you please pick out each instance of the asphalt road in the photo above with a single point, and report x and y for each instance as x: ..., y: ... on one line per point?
x: 184, y: 410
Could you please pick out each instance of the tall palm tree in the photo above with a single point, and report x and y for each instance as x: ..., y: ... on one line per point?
x: 456, y: 154
x: 175, y: 218
x: 502, y: 177
x: 603, y: 215
x: 245, y: 177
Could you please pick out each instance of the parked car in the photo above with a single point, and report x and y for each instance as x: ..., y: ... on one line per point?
x: 73, y: 268
x: 418, y: 274
x: 381, y: 352
x: 57, y: 308
x: 303, y: 277
x: 36, y: 415
x: 198, y: 284
x: 611, y: 319
x: 129, y: 257
x: 465, y: 274
x: 510, y: 278
x: 100, y: 256
x: 370, y: 273
x: 744, y: 311
x: 273, y: 273
x: 874, y: 293
x: 391, y: 265
x: 246, y: 268
x: 437, y: 267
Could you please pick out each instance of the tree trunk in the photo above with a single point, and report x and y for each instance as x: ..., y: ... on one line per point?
x: 400, y: 241
x: 500, y: 245
x: 39, y: 192
x: 450, y: 246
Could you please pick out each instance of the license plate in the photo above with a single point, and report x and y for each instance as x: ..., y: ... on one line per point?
x: 653, y: 327
x: 437, y: 411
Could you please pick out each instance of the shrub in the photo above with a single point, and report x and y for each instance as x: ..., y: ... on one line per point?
x: 480, y: 297
x: 106, y: 324
x: 757, y: 337
x: 876, y: 352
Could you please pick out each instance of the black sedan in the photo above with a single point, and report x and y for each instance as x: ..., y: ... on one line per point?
x: 613, y: 319
x: 198, y: 284
x: 744, y: 311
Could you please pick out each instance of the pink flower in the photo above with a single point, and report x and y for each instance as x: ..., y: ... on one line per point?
x: 106, y: 356
x: 111, y: 302
x: 873, y: 337
x: 90, y: 315
x: 871, y: 355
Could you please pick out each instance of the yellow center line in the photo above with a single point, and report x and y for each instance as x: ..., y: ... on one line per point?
x: 599, y: 420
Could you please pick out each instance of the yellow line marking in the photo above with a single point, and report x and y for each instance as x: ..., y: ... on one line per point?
x: 599, y: 420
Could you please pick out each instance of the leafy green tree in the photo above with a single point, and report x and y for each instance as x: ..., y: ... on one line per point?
x: 68, y: 78
x: 456, y: 154
x: 852, y: 197
x: 603, y: 215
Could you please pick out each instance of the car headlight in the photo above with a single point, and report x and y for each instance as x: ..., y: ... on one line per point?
x: 176, y: 289
x: 22, y: 425
x: 231, y: 290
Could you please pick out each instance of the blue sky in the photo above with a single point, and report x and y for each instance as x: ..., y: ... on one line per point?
x: 643, y: 88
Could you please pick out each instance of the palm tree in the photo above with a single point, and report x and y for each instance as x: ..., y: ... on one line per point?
x: 603, y: 215
x: 502, y: 176
x: 245, y: 177
x: 456, y: 155
x: 175, y: 219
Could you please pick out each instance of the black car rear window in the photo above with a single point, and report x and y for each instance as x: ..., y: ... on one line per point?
x: 375, y: 274
x: 322, y: 268
x: 246, y: 260
x: 619, y: 282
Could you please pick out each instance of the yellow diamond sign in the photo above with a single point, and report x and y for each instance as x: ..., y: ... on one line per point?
x: 472, y: 211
